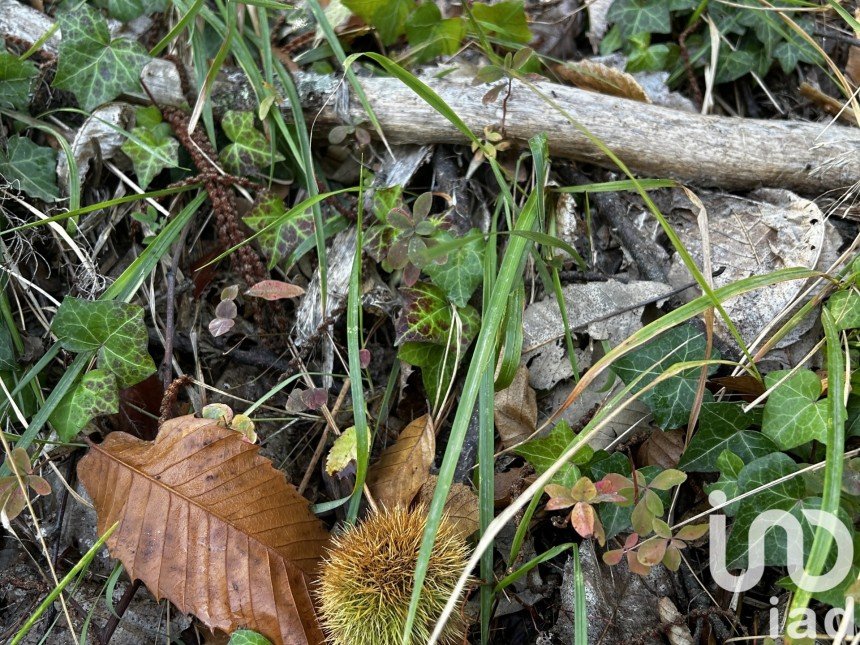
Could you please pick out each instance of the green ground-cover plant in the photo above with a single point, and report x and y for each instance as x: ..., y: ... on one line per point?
x: 754, y: 37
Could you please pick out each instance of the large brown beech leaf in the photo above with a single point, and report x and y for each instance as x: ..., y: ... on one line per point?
x: 209, y: 524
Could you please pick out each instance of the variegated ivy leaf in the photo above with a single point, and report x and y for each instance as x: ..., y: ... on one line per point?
x: 283, y: 238
x: 462, y: 271
x: 428, y: 317
x: 96, y: 394
x: 125, y: 10
x: 30, y: 168
x: 16, y: 80
x: 250, y: 150
x: 114, y: 329
x: 151, y: 146
x: 672, y: 399
x: 723, y: 426
x: 93, y: 67
x: 545, y: 451
x: 793, y: 415
x: 437, y: 369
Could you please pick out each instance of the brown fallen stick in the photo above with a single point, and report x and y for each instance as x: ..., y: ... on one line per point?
x: 727, y: 152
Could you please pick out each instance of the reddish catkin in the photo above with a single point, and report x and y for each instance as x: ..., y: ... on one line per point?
x: 244, y: 260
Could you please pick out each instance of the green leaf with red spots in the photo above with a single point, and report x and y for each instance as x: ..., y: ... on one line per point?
x: 287, y: 233
x: 428, y: 317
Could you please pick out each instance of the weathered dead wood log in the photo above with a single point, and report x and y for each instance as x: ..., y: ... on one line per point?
x: 731, y: 153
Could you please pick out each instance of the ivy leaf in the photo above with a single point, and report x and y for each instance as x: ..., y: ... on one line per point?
x: 126, y: 10
x: 248, y: 637
x: 427, y: 316
x: 250, y: 150
x: 641, y: 16
x: 793, y: 415
x: 30, y: 167
x: 16, y: 80
x: 671, y: 400
x: 730, y: 466
x: 283, y: 238
x: 114, y: 329
x: 649, y: 59
x: 731, y: 65
x: 153, y: 147
x: 506, y: 19
x: 93, y: 67
x: 425, y: 29
x: 723, y: 426
x: 844, y: 306
x: 462, y: 272
x: 545, y: 451
x: 387, y: 16
x: 436, y: 369
x: 97, y: 394
x: 787, y: 496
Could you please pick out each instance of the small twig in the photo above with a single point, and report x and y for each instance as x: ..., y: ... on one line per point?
x: 113, y: 622
x: 688, y: 65
x: 322, y: 442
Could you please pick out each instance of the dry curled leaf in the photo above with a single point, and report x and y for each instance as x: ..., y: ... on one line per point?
x: 209, y: 524
x: 590, y: 75
x: 515, y: 410
x: 404, y: 466
x: 275, y: 290
x: 461, y: 507
x: 662, y: 448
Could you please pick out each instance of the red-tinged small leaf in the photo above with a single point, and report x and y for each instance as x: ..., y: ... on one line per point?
x: 631, y: 541
x: 363, y: 358
x: 653, y: 502
x: 295, y: 401
x: 613, y: 557
x: 21, y: 461
x: 642, y: 518
x: 583, y: 490
x: 668, y: 479
x: 635, y: 566
x: 230, y: 293
x: 275, y: 290
x: 226, y: 309
x: 556, y: 490
x: 582, y: 519
x: 661, y: 528
x: 314, y: 398
x: 599, y: 533
x: 672, y: 559
x: 691, y: 532
x: 559, y: 503
x: 220, y: 326
x: 652, y: 552
x: 41, y: 486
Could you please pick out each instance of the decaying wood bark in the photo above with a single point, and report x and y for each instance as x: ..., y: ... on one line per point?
x: 731, y: 153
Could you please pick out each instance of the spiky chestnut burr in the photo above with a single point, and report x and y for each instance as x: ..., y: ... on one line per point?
x: 366, y: 581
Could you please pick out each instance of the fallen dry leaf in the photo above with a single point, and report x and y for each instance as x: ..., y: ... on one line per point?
x: 275, y: 290
x: 461, y: 507
x: 209, y: 524
x: 591, y: 75
x: 404, y: 466
x: 661, y: 448
x: 515, y: 410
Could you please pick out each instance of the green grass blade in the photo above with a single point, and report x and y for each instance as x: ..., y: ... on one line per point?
x: 580, y: 617
x: 621, y: 184
x: 531, y: 564
x: 178, y: 28
x: 353, y: 332
x: 123, y: 289
x: 84, y: 562
x: 511, y: 269
x: 836, y: 390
